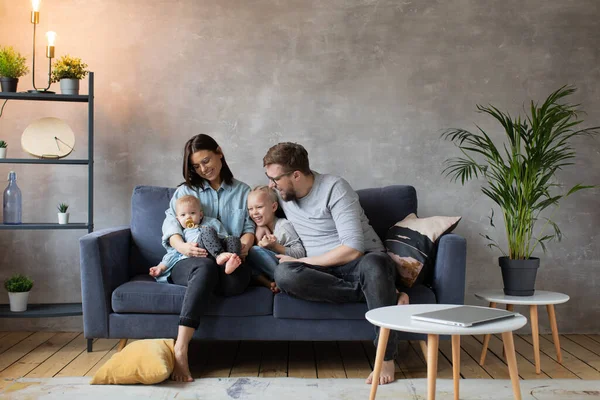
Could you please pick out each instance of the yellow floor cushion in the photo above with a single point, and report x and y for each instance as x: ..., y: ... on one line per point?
x: 144, y: 361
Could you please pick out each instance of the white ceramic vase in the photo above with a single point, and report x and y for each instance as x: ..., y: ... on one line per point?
x: 63, y: 218
x: 18, y: 301
x: 2, y: 152
x: 69, y: 86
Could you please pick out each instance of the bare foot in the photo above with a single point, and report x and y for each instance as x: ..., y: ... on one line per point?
x: 269, y: 284
x: 232, y: 264
x: 386, y: 375
x: 274, y: 288
x: 223, y: 258
x: 181, y: 372
x: 403, y: 299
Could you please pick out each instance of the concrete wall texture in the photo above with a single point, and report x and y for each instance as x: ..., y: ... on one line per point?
x: 367, y: 86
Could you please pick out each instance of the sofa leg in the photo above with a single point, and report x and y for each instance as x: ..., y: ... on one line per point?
x: 122, y: 344
x: 89, y: 345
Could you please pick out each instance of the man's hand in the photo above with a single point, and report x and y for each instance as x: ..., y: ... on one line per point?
x: 283, y: 258
x: 191, y: 250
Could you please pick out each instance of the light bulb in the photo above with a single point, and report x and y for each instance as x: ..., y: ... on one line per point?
x: 51, y: 37
x: 35, y: 4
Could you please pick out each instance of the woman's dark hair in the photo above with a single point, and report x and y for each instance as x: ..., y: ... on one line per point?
x: 197, y: 143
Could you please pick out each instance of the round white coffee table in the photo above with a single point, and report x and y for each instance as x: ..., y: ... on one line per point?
x: 540, y: 297
x: 399, y: 318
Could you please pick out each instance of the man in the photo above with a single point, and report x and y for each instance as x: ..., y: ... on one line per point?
x: 345, y: 259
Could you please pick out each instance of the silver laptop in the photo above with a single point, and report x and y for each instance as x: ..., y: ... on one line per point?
x: 464, y: 315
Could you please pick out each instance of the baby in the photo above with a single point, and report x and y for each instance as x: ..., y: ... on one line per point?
x: 273, y: 235
x: 208, y: 232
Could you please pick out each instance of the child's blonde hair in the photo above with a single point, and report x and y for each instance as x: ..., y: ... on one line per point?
x: 268, y: 191
x: 188, y: 199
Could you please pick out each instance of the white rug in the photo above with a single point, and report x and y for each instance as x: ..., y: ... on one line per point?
x: 299, y: 389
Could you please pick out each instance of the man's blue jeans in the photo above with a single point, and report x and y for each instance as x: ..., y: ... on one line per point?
x: 262, y: 261
x: 370, y: 279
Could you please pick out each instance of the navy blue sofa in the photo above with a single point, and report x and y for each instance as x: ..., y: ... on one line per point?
x: 121, y: 301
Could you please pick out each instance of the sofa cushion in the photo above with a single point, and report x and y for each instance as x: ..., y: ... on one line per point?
x: 148, y: 206
x: 294, y: 308
x: 387, y: 205
x: 411, y: 243
x: 144, y: 295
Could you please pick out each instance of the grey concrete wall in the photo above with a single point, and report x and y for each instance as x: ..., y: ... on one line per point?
x: 367, y: 86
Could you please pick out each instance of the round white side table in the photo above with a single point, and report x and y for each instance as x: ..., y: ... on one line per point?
x: 399, y: 318
x: 539, y: 298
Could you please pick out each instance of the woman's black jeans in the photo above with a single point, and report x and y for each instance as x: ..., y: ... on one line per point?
x: 203, y: 277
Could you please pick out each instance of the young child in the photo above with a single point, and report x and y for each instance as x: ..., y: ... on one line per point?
x: 273, y: 236
x: 208, y: 232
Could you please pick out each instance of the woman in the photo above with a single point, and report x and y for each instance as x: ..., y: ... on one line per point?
x: 208, y: 177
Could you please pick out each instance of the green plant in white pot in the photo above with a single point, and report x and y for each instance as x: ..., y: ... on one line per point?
x: 18, y: 287
x: 520, y: 176
x: 63, y: 215
x: 3, y: 147
x: 12, y: 67
x: 69, y: 71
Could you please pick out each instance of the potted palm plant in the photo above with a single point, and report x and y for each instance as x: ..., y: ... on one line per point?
x: 18, y: 287
x: 63, y: 215
x: 3, y: 146
x: 69, y: 71
x: 12, y: 67
x: 520, y: 177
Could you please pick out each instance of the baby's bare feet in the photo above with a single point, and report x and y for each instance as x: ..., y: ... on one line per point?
x: 223, y: 258
x: 232, y: 264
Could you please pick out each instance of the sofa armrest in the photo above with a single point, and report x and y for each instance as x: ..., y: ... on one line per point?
x: 104, y: 262
x: 450, y: 270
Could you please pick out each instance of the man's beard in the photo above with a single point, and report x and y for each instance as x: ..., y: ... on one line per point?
x: 288, y: 195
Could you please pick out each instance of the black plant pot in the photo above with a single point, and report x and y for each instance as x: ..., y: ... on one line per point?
x: 9, y: 84
x: 519, y: 275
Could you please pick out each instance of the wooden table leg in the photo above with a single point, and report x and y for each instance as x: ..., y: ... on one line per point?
x: 384, y: 334
x: 509, y: 307
x: 486, y: 342
x: 554, y: 327
x: 432, y: 364
x: 535, y: 333
x: 456, y: 364
x: 511, y: 358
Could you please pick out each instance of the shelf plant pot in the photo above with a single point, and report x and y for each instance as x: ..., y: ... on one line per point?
x: 18, y: 301
x: 63, y: 218
x: 519, y: 275
x: 9, y: 84
x: 2, y: 152
x: 69, y: 86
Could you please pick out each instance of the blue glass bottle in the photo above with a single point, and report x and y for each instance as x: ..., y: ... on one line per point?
x: 11, y: 205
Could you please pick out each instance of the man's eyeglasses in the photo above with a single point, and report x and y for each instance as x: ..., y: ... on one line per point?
x: 278, y: 177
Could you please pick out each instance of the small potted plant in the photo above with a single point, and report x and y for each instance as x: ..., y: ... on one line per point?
x: 3, y: 146
x: 68, y: 71
x: 63, y: 215
x: 12, y: 67
x: 18, y: 287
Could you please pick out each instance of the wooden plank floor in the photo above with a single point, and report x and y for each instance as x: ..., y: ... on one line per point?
x: 48, y: 354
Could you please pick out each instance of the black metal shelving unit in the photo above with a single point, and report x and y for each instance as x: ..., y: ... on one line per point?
x: 56, y: 309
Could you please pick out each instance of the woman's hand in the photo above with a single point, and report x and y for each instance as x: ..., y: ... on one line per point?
x: 191, y: 250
